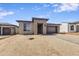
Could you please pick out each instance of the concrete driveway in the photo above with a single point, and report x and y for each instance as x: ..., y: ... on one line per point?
x: 21, y: 45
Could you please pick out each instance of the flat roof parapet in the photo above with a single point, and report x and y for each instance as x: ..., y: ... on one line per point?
x: 77, y: 22
x: 7, y: 24
x: 50, y: 24
x: 23, y: 21
x: 35, y: 18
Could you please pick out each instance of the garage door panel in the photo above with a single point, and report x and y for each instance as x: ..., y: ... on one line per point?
x: 52, y: 29
x: 6, y: 31
x: 77, y: 28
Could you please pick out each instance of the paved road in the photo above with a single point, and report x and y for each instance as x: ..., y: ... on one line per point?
x: 40, y: 45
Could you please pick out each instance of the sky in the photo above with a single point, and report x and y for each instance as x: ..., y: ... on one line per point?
x: 55, y: 12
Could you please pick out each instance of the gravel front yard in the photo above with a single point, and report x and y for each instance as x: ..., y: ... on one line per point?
x: 42, y: 45
x: 4, y: 36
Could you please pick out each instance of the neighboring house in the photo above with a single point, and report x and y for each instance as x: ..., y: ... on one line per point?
x: 69, y: 27
x: 37, y: 26
x: 7, y: 29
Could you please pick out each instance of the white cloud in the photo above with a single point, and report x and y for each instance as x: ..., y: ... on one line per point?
x: 36, y: 8
x: 5, y: 13
x: 21, y: 8
x: 43, y: 6
x: 55, y: 5
x: 67, y: 7
x: 43, y: 15
x: 58, y: 7
x: 46, y: 5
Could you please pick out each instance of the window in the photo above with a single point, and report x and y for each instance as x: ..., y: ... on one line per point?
x: 72, y: 27
x: 27, y: 26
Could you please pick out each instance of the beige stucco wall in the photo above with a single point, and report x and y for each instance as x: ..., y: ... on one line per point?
x: 34, y: 27
x: 17, y: 30
x: 64, y: 28
x: 29, y: 32
x: 12, y: 30
x: 21, y: 28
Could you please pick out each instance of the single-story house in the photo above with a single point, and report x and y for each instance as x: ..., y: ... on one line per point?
x: 37, y: 26
x: 7, y: 29
x: 67, y: 27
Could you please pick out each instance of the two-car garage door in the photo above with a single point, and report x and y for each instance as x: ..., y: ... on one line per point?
x: 6, y: 31
x: 52, y: 29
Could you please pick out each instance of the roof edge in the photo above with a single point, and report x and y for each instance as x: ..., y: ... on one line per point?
x: 22, y: 21
x: 35, y: 18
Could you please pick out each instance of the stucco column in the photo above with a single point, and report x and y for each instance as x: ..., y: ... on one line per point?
x: 12, y: 30
x: 1, y: 30
x: 75, y: 28
x: 44, y: 28
x: 21, y: 28
x: 35, y: 28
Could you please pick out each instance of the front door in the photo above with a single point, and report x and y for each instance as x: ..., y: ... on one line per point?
x: 40, y: 29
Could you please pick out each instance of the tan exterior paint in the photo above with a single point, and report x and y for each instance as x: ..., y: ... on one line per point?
x: 34, y: 26
x: 21, y: 28
x: 64, y: 28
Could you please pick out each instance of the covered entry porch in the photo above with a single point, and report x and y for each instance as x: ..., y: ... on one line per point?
x: 39, y: 25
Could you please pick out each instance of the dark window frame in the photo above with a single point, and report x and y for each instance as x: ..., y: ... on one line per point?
x: 25, y: 27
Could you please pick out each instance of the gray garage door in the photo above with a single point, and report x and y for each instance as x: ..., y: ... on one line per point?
x: 77, y: 28
x: 52, y: 29
x: 6, y: 31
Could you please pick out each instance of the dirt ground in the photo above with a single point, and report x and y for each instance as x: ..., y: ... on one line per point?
x: 75, y: 33
x: 40, y: 45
